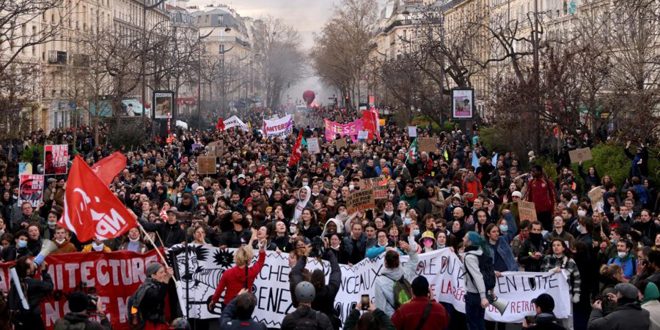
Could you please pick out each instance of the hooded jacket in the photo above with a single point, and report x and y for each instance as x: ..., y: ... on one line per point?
x: 652, y: 305
x: 384, y: 292
x: 474, y: 282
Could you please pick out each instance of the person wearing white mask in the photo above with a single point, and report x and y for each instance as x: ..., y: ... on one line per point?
x: 63, y: 244
x: 133, y: 243
x: 96, y: 245
x: 389, y: 215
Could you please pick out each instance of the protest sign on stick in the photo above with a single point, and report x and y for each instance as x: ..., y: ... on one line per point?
x: 360, y: 200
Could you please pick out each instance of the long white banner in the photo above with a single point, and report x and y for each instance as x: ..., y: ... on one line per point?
x: 278, y: 127
x: 234, y: 121
x: 442, y: 268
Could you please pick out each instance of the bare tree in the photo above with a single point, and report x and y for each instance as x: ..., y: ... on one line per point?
x: 341, y: 52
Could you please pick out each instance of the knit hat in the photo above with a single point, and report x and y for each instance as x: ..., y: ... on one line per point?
x: 420, y: 286
x: 627, y: 290
x: 78, y: 302
x: 305, y: 292
x: 651, y: 292
x: 516, y: 194
x: 475, y: 238
x: 153, y: 268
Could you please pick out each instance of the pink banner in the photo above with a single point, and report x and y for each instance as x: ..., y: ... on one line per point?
x: 351, y: 129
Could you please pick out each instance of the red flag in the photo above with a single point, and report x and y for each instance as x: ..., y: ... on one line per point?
x: 370, y: 123
x: 90, y: 208
x: 296, y: 153
x: 220, y: 125
x: 108, y: 168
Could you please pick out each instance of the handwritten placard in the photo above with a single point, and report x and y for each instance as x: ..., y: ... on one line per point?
x: 360, y: 200
x: 427, y: 144
x: 206, y: 165
x: 580, y: 155
x: 527, y: 211
x: 313, y: 146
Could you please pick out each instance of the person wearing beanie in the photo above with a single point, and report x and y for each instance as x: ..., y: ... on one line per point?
x: 304, y: 317
x: 421, y: 312
x: 650, y: 302
x: 628, y: 313
x: 475, y: 296
x: 79, y: 318
x: 149, y: 299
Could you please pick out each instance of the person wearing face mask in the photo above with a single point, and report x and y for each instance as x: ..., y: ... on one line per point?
x: 624, y: 258
x: 531, y: 253
x: 96, y: 245
x: 133, y: 242
x: 51, y: 223
x: 428, y: 241
x: 390, y: 216
x: 63, y: 244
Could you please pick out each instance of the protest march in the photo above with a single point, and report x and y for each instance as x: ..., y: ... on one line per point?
x: 261, y: 223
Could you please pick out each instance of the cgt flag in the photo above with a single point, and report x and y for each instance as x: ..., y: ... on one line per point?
x: 108, y: 168
x: 90, y: 208
x: 296, y: 153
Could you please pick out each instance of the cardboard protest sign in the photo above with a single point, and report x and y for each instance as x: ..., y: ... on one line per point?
x: 340, y: 143
x: 215, y: 148
x: 580, y: 155
x: 427, y: 144
x: 206, y: 165
x: 313, y: 146
x: 360, y: 200
x: 56, y: 159
x: 527, y: 211
x: 378, y: 185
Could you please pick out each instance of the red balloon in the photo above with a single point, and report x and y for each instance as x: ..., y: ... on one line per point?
x: 309, y: 96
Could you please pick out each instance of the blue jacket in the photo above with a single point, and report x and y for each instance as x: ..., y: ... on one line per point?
x: 628, y: 264
x: 504, y: 250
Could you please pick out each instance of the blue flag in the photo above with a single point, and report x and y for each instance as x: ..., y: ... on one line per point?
x: 475, y: 160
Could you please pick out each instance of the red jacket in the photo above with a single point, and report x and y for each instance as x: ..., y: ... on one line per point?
x: 542, y: 193
x: 473, y: 187
x: 409, y: 315
x: 233, y: 280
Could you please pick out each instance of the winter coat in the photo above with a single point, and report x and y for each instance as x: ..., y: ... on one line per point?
x: 228, y: 319
x: 384, y: 293
x: 73, y: 321
x: 292, y: 320
x: 627, y: 316
x: 170, y: 234
x: 503, y: 249
x: 410, y: 314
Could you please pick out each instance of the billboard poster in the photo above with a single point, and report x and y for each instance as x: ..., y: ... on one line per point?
x: 56, y: 159
x: 31, y: 189
x: 462, y: 103
x: 163, y: 104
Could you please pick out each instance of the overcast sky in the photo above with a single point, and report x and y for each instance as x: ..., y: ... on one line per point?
x: 306, y: 16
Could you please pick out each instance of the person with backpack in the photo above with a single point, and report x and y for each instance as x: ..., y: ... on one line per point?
x: 146, y: 306
x: 78, y: 318
x: 238, y: 313
x: 304, y: 317
x: 479, y: 279
x: 393, y: 284
x: 421, y: 312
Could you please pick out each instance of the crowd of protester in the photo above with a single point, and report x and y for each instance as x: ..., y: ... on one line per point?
x: 435, y: 201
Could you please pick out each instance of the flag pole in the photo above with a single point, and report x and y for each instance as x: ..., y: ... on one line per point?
x: 153, y: 244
